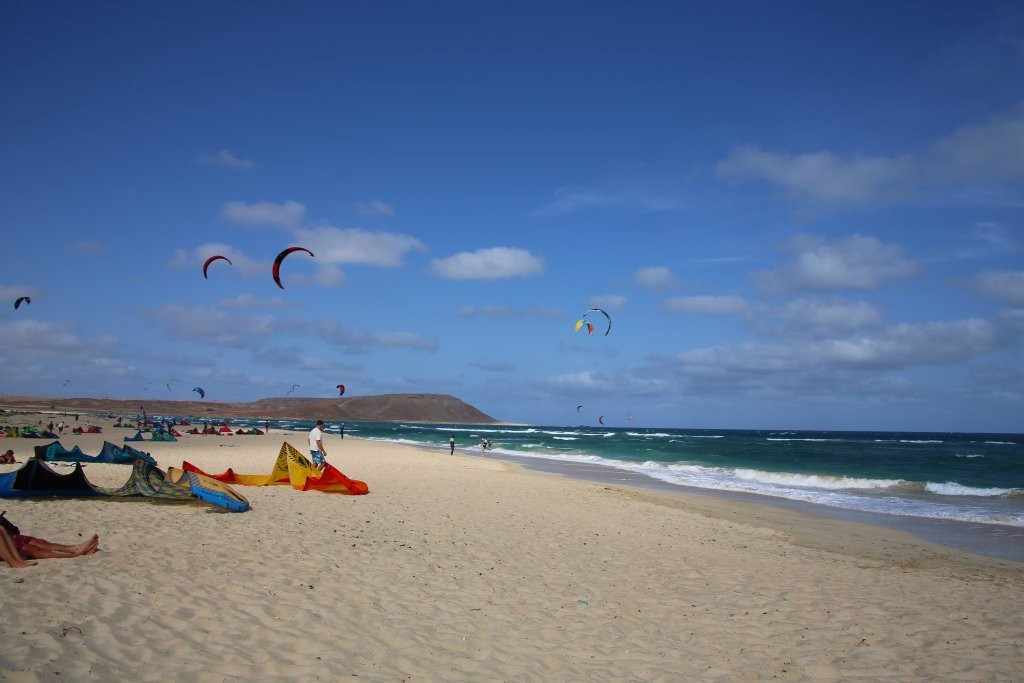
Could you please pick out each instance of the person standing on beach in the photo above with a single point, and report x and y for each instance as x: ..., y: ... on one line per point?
x: 451, y: 445
x: 343, y: 430
x: 316, y: 446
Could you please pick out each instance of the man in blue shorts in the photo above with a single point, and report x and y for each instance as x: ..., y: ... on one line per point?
x: 316, y: 446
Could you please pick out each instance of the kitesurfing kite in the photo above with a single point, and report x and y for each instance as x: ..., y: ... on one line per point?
x: 19, y: 300
x: 590, y: 327
x: 601, y: 419
x: 294, y: 387
x: 578, y: 408
x: 211, y: 260
x: 66, y: 382
x: 280, y: 258
x: 341, y: 390
x: 200, y: 391
x: 169, y: 383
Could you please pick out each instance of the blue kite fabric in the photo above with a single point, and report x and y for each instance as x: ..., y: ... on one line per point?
x: 36, y: 479
x: 111, y: 453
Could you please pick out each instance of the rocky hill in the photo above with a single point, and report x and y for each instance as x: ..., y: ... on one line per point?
x: 384, y: 408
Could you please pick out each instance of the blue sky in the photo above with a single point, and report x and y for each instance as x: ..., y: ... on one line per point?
x: 799, y: 215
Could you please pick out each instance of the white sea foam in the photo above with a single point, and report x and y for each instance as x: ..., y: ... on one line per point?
x: 969, y: 455
x: 951, y: 488
x: 796, y: 439
x: 921, y: 441
x: 649, y: 434
x: 1001, y: 443
x: 816, y: 481
x: 564, y: 438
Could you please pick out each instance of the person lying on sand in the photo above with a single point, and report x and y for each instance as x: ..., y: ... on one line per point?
x: 8, y: 457
x: 19, y: 550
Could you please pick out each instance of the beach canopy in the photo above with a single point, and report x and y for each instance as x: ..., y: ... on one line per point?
x: 294, y: 469
x: 147, y: 481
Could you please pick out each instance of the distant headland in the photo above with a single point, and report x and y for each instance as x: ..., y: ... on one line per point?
x: 383, y: 408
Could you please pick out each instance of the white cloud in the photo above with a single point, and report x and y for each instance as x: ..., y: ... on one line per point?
x: 821, y: 176
x: 649, y: 197
x: 496, y: 311
x: 609, y: 302
x: 705, y: 305
x: 288, y: 215
x: 246, y: 301
x: 240, y: 261
x: 586, y: 380
x: 655, y: 277
x: 895, y: 347
x: 488, y: 264
x: 225, y: 159
x: 830, y: 314
x: 352, y: 245
x: 855, y: 262
x: 89, y: 247
x: 12, y: 292
x: 375, y: 208
x: 1001, y: 284
x: 993, y: 151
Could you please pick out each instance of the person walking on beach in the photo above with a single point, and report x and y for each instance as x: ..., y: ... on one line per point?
x: 343, y: 430
x: 451, y: 445
x: 316, y: 446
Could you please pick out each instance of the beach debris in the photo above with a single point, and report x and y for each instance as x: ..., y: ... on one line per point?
x: 281, y: 257
x: 200, y: 391
x: 590, y: 327
x: 20, y: 300
x: 210, y: 260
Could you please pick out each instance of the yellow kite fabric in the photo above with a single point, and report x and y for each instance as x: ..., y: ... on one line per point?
x: 294, y: 469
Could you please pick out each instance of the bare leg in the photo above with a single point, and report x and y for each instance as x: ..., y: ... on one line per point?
x: 10, y: 554
x: 41, y: 549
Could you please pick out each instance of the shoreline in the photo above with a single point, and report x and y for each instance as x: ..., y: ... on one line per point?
x: 994, y: 541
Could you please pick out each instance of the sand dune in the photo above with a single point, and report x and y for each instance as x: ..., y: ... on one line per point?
x: 464, y: 568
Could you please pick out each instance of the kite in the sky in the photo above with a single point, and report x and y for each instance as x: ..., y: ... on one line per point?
x: 294, y: 387
x: 590, y: 327
x: 280, y: 258
x: 341, y: 390
x: 578, y: 408
x: 169, y: 383
x: 601, y: 419
x: 211, y: 260
x: 200, y: 391
x: 66, y: 382
x: 20, y: 300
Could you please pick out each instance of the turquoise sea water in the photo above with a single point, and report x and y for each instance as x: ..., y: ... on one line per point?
x: 954, y: 476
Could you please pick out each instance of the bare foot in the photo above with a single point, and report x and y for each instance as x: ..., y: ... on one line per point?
x: 89, y: 547
x: 21, y: 564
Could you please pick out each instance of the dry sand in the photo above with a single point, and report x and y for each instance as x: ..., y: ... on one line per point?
x: 463, y: 568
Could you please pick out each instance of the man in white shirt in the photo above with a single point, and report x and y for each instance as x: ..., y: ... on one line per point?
x: 316, y: 446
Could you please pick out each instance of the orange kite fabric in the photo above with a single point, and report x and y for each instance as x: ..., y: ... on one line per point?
x: 294, y: 469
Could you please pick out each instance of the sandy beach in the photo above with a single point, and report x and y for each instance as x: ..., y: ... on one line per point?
x: 467, y: 568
